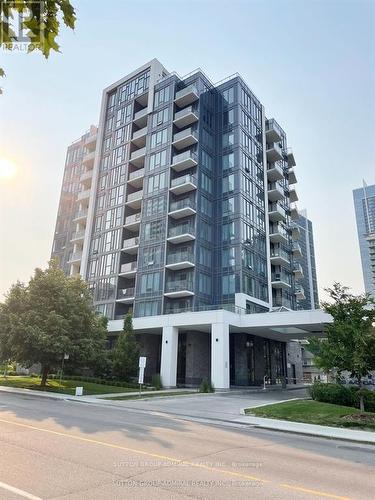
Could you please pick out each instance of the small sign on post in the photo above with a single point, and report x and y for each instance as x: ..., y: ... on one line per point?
x: 142, y: 366
x: 79, y: 391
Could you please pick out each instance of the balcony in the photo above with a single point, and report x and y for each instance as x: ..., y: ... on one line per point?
x: 280, y: 280
x: 140, y: 118
x: 183, y: 184
x: 86, y: 176
x: 80, y: 215
x: 135, y: 178
x: 89, y: 159
x: 274, y: 152
x: 292, y: 176
x: 125, y: 295
x: 297, y: 271
x: 180, y: 260
x: 137, y: 157
x: 182, y: 208
x: 181, y: 233
x: 75, y: 257
x: 180, y: 288
x: 185, y: 138
x: 296, y: 231
x: 91, y: 140
x: 294, y: 215
x: 290, y: 158
x: 276, y: 212
x: 297, y: 251
x: 275, y: 191
x: 299, y: 292
x: 186, y: 96
x: 128, y: 269
x: 274, y: 172
x: 132, y: 222
x: 130, y: 245
x: 184, y: 160
x: 278, y: 234
x: 83, y: 195
x: 281, y: 301
x: 279, y: 257
x: 273, y: 131
x: 139, y: 137
x: 293, y: 194
x: 78, y: 235
x: 185, y: 117
x: 134, y: 200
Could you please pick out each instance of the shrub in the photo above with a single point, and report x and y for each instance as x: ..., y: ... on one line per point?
x: 156, y: 381
x: 340, y: 395
x: 206, y: 386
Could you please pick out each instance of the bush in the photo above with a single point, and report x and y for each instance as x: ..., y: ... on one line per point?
x: 156, y: 382
x: 340, y: 395
x: 206, y: 386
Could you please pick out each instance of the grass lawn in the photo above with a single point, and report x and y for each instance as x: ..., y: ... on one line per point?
x: 314, y: 412
x: 66, y: 387
x: 156, y: 395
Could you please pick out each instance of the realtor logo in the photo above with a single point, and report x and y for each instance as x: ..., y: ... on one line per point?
x: 21, y: 26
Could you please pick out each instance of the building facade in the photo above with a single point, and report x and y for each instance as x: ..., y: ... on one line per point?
x: 190, y: 208
x: 364, y: 205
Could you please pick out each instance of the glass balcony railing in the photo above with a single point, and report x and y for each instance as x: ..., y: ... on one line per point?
x: 278, y: 229
x: 126, y: 293
x: 132, y: 219
x: 181, y: 229
x: 183, y: 180
x: 137, y: 173
x: 188, y: 156
x: 279, y: 252
x: 181, y: 204
x: 281, y: 277
x: 130, y: 242
x: 175, y: 257
x: 136, y: 195
x: 128, y: 267
x: 179, y: 285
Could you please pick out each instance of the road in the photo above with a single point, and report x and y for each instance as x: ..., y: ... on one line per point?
x: 57, y: 449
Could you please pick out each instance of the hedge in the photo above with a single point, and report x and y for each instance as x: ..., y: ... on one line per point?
x: 340, y: 395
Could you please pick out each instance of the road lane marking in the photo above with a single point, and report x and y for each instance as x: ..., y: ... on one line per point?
x: 312, y: 492
x: 175, y: 460
x: 19, y: 492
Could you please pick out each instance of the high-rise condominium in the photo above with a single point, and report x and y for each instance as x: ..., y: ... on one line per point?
x: 186, y: 205
x: 364, y: 205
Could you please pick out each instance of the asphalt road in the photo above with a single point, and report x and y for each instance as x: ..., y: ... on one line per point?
x: 69, y: 450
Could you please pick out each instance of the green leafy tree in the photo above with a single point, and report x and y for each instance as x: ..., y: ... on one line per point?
x: 51, y: 316
x: 126, y: 352
x: 40, y: 21
x: 350, y: 342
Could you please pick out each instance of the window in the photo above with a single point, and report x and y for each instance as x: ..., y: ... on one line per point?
x: 228, y: 161
x: 162, y: 96
x: 151, y: 308
x: 207, y: 139
x: 109, y: 124
x: 228, y: 257
x: 160, y: 117
x: 228, y: 232
x: 119, y: 154
x: 135, y: 87
x: 206, y: 206
x: 159, y: 138
x: 151, y: 257
x: 122, y: 135
x: 228, y: 95
x: 204, y: 256
x: 205, y: 231
x: 228, y: 284
x: 204, y: 284
x: 206, y: 160
x: 107, y: 144
x: 156, y: 182
x: 124, y: 115
x: 206, y: 183
x: 113, y: 218
x: 156, y: 205
x: 153, y: 230
x: 228, y: 139
x: 116, y: 196
x: 228, y: 183
x: 228, y: 206
x: 105, y: 163
x: 149, y: 283
x: 111, y: 101
x: 158, y: 159
x: 111, y: 240
x: 228, y: 117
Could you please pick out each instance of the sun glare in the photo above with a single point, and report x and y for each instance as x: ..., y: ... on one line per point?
x: 7, y: 169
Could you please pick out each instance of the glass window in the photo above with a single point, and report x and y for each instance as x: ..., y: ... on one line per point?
x: 153, y: 230
x: 124, y: 115
x: 162, y: 96
x: 158, y: 159
x: 149, y: 283
x: 229, y: 284
x: 156, y: 182
x: 155, y: 205
x: 228, y: 139
x: 122, y: 135
x: 206, y: 183
x: 228, y: 257
x: 150, y: 308
x: 204, y: 284
x: 206, y: 160
x: 228, y: 95
x: 228, y: 161
x: 228, y: 232
x: 159, y: 138
x: 228, y: 206
x: 160, y: 117
x: 228, y: 183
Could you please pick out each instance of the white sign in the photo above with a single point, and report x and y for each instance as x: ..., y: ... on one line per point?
x: 141, y: 375
x: 66, y: 356
x: 79, y: 391
x: 142, y: 362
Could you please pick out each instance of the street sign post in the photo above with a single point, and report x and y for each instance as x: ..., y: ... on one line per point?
x: 142, y: 366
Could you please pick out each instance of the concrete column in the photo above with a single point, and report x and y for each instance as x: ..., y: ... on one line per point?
x: 220, y: 355
x: 169, y: 347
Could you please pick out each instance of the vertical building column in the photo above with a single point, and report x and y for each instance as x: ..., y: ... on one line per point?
x: 220, y: 355
x: 169, y: 348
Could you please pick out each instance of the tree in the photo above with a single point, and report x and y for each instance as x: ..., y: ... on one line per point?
x: 126, y: 352
x: 40, y: 20
x: 51, y: 316
x: 350, y: 342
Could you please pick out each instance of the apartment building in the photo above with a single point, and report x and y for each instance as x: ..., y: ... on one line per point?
x: 364, y: 205
x: 190, y: 225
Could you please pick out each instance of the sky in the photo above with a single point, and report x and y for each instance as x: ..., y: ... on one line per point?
x: 311, y: 64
